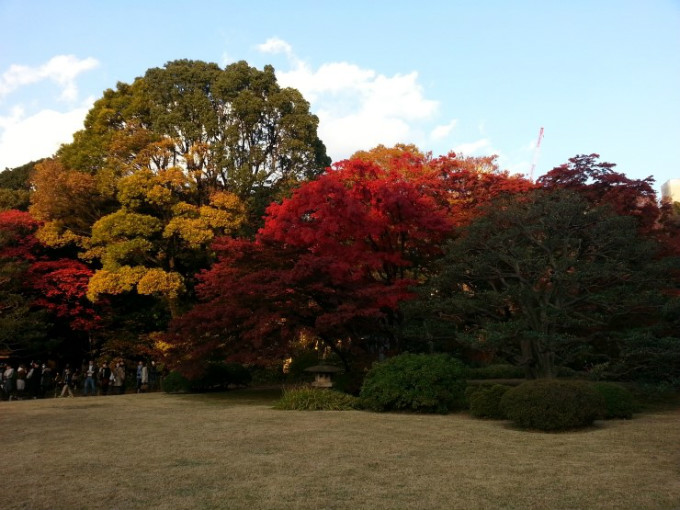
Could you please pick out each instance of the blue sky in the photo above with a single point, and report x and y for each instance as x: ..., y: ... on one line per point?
x: 478, y: 77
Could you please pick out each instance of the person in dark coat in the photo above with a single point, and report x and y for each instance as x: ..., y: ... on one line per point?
x: 104, y: 377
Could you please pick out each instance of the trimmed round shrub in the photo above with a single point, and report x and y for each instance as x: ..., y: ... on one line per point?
x: 175, y: 382
x: 469, y: 390
x: 316, y: 399
x: 552, y: 405
x: 474, y: 388
x: 485, y: 402
x: 619, y: 402
x: 428, y: 383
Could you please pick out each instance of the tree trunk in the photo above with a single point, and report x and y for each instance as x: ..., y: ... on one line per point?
x: 538, y: 361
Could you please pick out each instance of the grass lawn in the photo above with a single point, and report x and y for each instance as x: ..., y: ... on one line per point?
x: 232, y: 451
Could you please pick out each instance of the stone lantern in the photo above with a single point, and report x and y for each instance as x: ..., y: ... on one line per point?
x: 323, y: 375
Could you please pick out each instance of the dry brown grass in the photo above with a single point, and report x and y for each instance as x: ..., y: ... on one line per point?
x: 232, y: 451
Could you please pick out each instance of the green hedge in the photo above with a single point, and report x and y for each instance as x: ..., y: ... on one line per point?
x: 552, y: 405
x: 485, y: 401
x: 217, y: 376
x: 175, y: 382
x: 415, y: 382
x: 316, y: 399
x: 619, y: 402
x: 220, y: 375
x: 507, y: 371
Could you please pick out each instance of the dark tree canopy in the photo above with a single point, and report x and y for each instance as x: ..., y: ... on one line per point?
x: 601, y: 185
x: 544, y: 276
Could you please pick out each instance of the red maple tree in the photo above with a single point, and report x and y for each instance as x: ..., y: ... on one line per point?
x: 333, y: 262
x: 53, y: 282
x: 601, y: 185
x: 61, y: 287
x: 17, y: 239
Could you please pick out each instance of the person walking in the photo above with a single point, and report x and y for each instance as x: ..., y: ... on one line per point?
x: 89, y: 385
x: 119, y: 377
x: 33, y: 380
x: 21, y: 381
x: 46, y: 380
x: 8, y: 381
x: 104, y: 377
x: 142, y: 377
x: 66, y: 380
x: 153, y: 377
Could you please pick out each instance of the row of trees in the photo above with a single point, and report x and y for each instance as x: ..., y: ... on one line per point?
x: 196, y: 216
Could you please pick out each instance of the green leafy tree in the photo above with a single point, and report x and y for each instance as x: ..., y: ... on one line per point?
x: 15, y: 187
x: 546, y: 276
x: 232, y: 129
x: 186, y: 152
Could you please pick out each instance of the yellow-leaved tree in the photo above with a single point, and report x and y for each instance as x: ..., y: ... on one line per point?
x: 162, y: 165
x: 157, y: 238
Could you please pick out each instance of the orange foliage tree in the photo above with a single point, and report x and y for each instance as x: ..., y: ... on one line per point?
x: 334, y: 261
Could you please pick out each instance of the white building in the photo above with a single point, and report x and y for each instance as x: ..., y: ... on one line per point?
x: 670, y: 190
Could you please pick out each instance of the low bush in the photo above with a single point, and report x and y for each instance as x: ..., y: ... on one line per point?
x: 474, y: 388
x: 469, y: 390
x: 266, y: 375
x: 646, y: 359
x: 619, y: 402
x: 499, y: 371
x: 485, y: 401
x: 415, y: 382
x: 349, y: 382
x: 175, y: 382
x: 552, y: 405
x: 656, y: 396
x: 316, y: 399
x: 219, y: 376
x: 507, y: 371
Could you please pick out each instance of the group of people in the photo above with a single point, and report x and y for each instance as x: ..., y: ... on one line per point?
x: 37, y: 380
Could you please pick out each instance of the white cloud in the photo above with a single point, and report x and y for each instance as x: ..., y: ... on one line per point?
x: 61, y: 69
x: 30, y: 133
x: 357, y: 108
x: 441, y: 132
x: 274, y: 45
x: 25, y: 139
x: 478, y: 148
x: 346, y: 134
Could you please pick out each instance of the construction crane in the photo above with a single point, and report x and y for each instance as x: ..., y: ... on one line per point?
x: 537, y: 150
